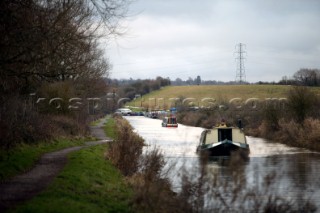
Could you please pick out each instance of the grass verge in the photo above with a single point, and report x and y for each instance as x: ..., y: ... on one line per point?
x: 95, y: 123
x: 24, y: 156
x: 88, y: 183
x: 110, y: 128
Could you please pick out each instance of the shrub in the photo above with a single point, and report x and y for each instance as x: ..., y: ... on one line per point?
x: 306, y: 135
x: 271, y: 118
x: 21, y: 122
x: 204, y: 119
x: 67, y: 126
x: 311, y: 133
x: 290, y: 132
x: 152, y: 189
x: 301, y: 103
x: 49, y: 91
x: 125, y: 150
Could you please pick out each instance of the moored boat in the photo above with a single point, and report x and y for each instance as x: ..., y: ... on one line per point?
x: 170, y: 121
x: 222, y: 141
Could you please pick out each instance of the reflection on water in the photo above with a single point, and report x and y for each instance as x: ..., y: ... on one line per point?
x: 296, y: 172
x: 262, y: 148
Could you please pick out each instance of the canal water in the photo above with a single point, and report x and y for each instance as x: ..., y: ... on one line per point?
x: 295, y: 172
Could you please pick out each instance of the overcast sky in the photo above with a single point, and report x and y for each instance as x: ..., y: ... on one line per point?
x: 187, y: 38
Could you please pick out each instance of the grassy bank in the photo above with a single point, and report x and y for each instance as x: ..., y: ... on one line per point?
x: 88, y: 183
x: 110, y: 128
x: 218, y: 92
x: 23, y: 157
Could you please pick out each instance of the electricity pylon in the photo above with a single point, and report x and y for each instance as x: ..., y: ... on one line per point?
x: 240, y: 74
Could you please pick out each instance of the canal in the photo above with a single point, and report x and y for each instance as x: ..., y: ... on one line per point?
x: 294, y: 173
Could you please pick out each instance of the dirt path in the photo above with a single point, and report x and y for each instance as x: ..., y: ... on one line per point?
x: 25, y: 186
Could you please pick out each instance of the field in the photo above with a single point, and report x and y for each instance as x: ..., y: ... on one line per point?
x: 197, y: 95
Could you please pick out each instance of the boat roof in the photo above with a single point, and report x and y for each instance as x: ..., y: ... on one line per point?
x: 224, y: 126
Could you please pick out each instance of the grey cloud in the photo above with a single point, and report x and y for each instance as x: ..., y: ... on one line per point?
x: 178, y: 38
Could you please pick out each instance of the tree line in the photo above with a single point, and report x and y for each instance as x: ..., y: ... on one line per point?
x: 304, y: 77
x: 130, y: 88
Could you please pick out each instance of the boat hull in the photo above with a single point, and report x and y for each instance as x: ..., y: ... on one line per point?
x: 224, y: 148
x: 170, y: 125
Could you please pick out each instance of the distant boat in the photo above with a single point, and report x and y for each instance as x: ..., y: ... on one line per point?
x: 170, y: 121
x: 222, y: 141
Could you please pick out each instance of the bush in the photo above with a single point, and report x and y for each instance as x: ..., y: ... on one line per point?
x: 21, y: 123
x: 124, y: 152
x: 68, y: 126
x: 204, y: 119
x: 301, y: 103
x: 63, y: 90
x: 305, y: 135
x: 152, y: 189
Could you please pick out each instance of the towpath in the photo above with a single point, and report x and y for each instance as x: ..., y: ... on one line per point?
x: 25, y: 186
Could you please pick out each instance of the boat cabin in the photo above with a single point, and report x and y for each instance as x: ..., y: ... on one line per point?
x: 222, y: 133
x: 169, y: 121
x: 223, y: 140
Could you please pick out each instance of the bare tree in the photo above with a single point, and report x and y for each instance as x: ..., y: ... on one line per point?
x: 198, y: 80
x: 46, y: 40
x: 51, y: 45
x: 308, y: 77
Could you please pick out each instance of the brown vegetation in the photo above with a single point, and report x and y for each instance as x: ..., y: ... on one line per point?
x: 296, y: 125
x: 144, y: 172
x: 125, y: 151
x: 152, y: 189
x: 306, y: 135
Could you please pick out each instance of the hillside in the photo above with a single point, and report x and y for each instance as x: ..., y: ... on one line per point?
x: 163, y: 98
